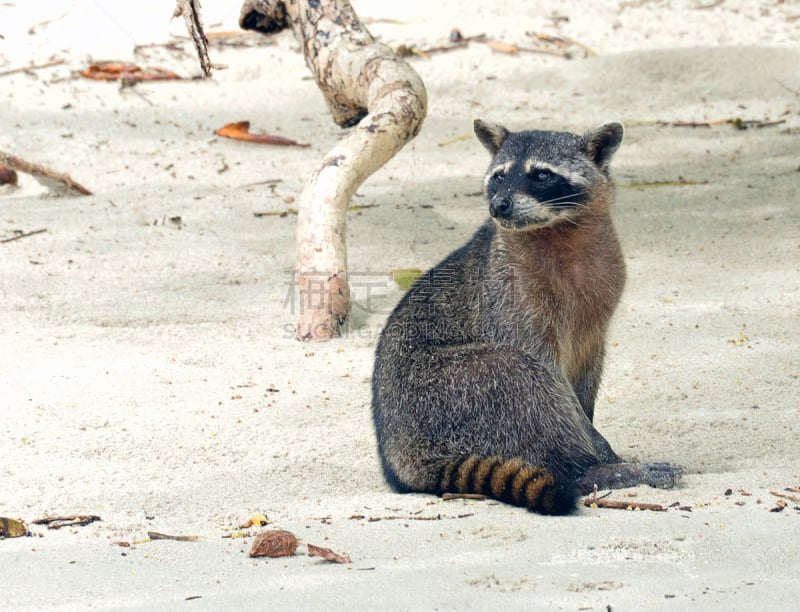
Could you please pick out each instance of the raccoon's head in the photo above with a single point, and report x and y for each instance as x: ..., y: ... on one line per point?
x: 538, y: 179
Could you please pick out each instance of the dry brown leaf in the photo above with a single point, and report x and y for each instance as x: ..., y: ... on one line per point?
x: 241, y: 131
x: 12, y: 528
x: 327, y: 554
x: 114, y: 71
x: 274, y: 543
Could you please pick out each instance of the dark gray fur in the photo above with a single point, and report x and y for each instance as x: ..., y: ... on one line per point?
x: 498, y: 350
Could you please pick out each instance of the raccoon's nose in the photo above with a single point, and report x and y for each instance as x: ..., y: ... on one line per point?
x: 501, y: 207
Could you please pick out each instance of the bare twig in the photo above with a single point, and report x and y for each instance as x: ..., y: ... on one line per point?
x: 190, y: 9
x: 56, y: 182
x: 544, y: 52
x: 398, y: 517
x: 21, y: 235
x: 592, y: 502
x: 738, y: 123
x: 474, y: 496
x: 270, y: 182
x: 793, y: 498
x: 33, y: 29
x: 562, y: 42
x: 32, y: 67
x: 695, y: 124
x: 763, y: 124
x: 154, y: 535
x: 460, y: 43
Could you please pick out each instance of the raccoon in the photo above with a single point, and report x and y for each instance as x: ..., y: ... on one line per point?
x: 486, y: 372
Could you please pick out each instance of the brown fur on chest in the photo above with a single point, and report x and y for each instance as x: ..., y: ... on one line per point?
x: 567, y: 281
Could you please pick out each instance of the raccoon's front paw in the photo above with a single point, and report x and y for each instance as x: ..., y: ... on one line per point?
x: 660, y: 475
x: 623, y: 475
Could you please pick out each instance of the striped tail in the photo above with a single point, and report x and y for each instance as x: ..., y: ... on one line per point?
x: 513, y: 481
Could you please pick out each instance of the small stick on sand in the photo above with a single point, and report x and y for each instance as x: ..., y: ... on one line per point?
x: 793, y: 498
x: 154, y: 535
x: 32, y: 67
x: 398, y: 517
x: 23, y: 235
x: 591, y: 502
x: 452, y: 496
x: 190, y: 10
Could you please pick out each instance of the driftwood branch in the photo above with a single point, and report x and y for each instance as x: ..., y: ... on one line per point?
x: 366, y: 86
x: 73, y: 520
x: 57, y: 182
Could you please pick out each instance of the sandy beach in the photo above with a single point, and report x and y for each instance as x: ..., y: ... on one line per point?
x: 149, y: 373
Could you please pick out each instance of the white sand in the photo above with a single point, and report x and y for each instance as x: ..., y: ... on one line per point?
x: 137, y: 356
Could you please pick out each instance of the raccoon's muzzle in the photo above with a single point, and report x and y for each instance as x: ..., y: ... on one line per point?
x: 501, y: 207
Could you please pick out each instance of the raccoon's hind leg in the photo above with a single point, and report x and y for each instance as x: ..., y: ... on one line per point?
x: 513, y: 481
x: 482, y: 419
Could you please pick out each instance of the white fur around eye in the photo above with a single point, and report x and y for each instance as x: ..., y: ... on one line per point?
x: 501, y: 170
x: 574, y: 178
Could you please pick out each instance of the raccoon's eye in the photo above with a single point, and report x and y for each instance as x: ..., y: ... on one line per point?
x: 540, y: 175
x: 498, y: 177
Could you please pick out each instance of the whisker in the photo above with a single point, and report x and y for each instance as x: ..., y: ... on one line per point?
x: 564, y: 200
x: 569, y: 195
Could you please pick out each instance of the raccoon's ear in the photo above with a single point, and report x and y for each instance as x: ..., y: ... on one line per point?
x: 490, y: 134
x: 601, y: 142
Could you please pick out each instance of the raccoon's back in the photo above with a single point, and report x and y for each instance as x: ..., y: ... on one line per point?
x: 444, y: 305
x: 438, y: 310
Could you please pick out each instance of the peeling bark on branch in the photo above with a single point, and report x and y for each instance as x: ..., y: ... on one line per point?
x: 367, y: 86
